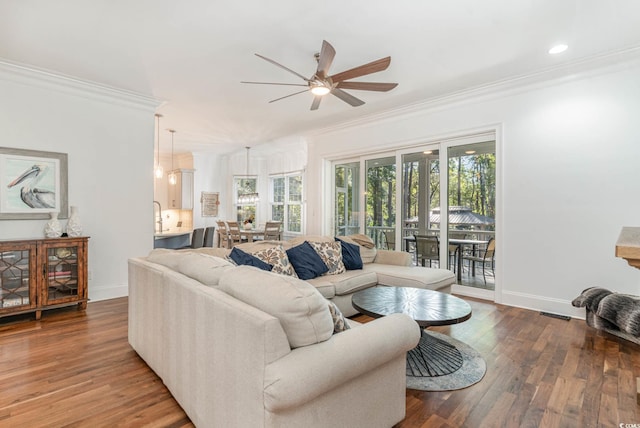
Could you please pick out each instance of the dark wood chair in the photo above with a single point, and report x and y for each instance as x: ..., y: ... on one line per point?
x: 208, y: 236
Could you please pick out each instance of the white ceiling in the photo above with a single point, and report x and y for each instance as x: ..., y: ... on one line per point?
x: 192, y: 54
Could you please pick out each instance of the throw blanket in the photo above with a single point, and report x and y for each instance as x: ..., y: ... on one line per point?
x: 617, y: 311
x: 363, y: 240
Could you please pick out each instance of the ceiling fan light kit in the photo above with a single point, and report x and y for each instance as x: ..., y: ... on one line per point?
x: 321, y: 83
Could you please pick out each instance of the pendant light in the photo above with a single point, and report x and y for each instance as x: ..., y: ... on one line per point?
x: 172, y: 174
x: 159, y: 171
x: 248, y: 198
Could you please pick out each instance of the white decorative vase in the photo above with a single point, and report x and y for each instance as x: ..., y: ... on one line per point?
x: 248, y: 226
x: 74, y: 228
x: 53, y: 229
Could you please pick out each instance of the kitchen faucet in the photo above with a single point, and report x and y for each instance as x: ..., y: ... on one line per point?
x: 159, y: 221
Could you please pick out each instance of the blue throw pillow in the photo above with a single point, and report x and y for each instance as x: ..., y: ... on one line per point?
x: 242, y: 258
x: 350, y: 255
x: 306, y: 262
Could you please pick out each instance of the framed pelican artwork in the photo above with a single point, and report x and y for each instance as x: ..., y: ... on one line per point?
x: 33, y: 184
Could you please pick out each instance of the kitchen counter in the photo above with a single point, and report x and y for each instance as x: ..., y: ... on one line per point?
x: 172, y: 238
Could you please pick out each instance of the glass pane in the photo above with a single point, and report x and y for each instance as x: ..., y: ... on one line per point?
x: 294, y: 218
x: 295, y: 188
x: 278, y: 189
x: 62, y: 271
x: 277, y: 212
x: 380, y: 198
x: 420, y: 194
x: 471, y: 198
x: 347, y: 177
x: 246, y: 212
x: 14, y: 278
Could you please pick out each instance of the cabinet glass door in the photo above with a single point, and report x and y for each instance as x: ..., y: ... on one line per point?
x: 17, y: 284
x: 62, y: 274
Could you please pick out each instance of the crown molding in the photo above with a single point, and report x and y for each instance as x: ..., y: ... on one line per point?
x: 609, y: 62
x: 32, y: 76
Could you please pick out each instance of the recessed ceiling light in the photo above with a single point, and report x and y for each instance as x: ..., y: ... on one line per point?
x: 469, y: 152
x: 428, y: 152
x: 558, y: 49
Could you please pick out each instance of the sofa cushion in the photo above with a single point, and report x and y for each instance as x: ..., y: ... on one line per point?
x: 415, y: 276
x: 339, y: 322
x: 346, y: 283
x: 350, y: 255
x: 166, y: 257
x: 302, y: 311
x: 277, y: 257
x: 331, y: 254
x: 307, y: 263
x: 368, y: 255
x: 246, y: 259
x: 202, y: 267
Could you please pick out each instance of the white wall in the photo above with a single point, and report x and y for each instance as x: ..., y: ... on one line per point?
x: 108, y: 136
x: 571, y: 179
x: 208, y: 177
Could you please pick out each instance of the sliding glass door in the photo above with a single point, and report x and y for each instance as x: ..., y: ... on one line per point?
x: 406, y: 192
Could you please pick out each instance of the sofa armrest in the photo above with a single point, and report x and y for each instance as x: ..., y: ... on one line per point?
x: 307, y: 372
x: 399, y: 258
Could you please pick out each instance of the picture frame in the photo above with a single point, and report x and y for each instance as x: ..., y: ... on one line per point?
x: 33, y: 184
x: 210, y: 202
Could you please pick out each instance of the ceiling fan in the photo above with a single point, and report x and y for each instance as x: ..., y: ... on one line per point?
x: 321, y: 83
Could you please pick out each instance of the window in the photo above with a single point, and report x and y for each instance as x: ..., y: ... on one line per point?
x: 286, y: 201
x: 245, y: 211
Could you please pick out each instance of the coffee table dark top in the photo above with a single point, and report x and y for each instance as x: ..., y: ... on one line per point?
x: 426, y: 307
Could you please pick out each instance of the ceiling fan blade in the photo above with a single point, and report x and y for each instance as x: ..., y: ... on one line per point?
x: 270, y: 83
x: 316, y: 102
x: 327, y: 53
x: 287, y: 96
x: 363, y: 70
x: 367, y: 86
x: 347, y: 98
x: 283, y: 67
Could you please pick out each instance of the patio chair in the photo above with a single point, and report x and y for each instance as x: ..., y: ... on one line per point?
x: 427, y: 248
x: 487, y: 257
x: 390, y: 239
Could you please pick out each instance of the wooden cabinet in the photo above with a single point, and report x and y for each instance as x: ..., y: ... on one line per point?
x: 181, y: 193
x: 41, y: 274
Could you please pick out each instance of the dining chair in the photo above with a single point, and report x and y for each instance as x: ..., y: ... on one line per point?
x: 223, y: 235
x: 197, y: 238
x: 235, y: 237
x: 272, y: 231
x: 208, y: 236
x: 487, y: 257
x: 390, y: 239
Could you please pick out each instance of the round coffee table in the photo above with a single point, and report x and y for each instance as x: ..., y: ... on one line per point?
x: 433, y: 356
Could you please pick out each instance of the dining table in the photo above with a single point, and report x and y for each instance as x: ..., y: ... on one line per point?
x: 461, y: 243
x: 250, y: 234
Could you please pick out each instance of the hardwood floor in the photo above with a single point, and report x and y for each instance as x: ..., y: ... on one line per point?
x: 76, y: 369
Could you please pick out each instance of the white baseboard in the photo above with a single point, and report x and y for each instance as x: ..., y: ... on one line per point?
x: 541, y: 303
x: 478, y: 293
x: 105, y: 293
x: 523, y: 300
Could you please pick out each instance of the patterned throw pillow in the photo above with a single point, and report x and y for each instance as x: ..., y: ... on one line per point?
x: 339, y: 323
x: 331, y: 254
x: 277, y: 257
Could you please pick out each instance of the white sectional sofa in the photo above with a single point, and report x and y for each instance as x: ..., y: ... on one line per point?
x: 241, y: 347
